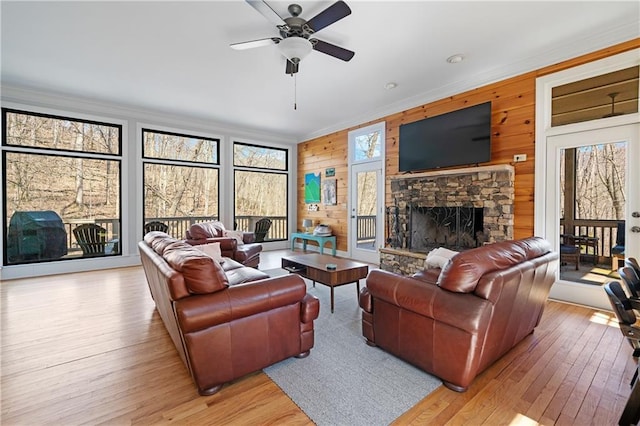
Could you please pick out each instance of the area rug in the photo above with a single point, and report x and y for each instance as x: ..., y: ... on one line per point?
x: 344, y: 381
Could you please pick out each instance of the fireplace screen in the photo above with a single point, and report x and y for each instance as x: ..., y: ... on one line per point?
x: 457, y: 228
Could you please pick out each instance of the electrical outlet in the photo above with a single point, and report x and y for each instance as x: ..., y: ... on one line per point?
x: 519, y: 158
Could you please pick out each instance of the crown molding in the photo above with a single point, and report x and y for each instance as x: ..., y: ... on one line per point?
x: 48, y: 99
x: 567, y: 51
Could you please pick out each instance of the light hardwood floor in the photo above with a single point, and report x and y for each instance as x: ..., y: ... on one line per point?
x: 89, y: 348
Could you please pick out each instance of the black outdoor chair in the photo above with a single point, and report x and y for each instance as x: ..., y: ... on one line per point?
x: 569, y: 251
x: 91, y: 238
x: 617, y: 251
x: 262, y: 228
x: 155, y: 226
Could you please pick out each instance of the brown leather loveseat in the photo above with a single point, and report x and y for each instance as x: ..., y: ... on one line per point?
x: 456, y: 322
x: 226, y: 320
x: 247, y: 252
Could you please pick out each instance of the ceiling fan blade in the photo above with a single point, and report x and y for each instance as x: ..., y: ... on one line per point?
x: 291, y: 68
x: 333, y: 13
x: 332, y: 50
x: 255, y: 43
x: 266, y: 11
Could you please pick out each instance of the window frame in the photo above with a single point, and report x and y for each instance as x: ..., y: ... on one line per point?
x: 286, y: 156
x: 379, y: 127
x: 7, y: 148
x: 180, y: 163
x: 181, y: 135
x: 5, y: 144
x: 286, y: 172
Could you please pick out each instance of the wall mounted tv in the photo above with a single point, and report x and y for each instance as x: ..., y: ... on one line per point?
x: 456, y: 138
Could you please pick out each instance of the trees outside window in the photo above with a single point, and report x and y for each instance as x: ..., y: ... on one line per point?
x: 181, y: 179
x: 60, y: 174
x: 261, y: 188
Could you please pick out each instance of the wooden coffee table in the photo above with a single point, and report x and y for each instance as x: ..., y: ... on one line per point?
x: 314, y: 267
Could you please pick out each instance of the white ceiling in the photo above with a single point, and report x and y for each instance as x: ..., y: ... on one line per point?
x: 174, y: 57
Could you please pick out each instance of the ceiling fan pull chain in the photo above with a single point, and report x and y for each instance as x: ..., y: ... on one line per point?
x: 295, y: 92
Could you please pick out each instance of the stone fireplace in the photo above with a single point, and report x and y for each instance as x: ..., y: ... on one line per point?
x: 457, y: 209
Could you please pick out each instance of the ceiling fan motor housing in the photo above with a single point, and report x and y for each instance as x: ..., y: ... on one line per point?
x: 296, y: 27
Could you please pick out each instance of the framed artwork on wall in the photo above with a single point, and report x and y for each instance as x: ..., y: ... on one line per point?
x: 329, y: 192
x: 312, y: 188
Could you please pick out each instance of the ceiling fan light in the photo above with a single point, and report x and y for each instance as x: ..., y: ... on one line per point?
x: 295, y: 48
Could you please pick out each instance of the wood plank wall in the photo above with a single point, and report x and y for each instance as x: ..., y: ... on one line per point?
x: 513, y: 128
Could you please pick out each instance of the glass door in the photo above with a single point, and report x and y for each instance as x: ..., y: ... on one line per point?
x: 593, y: 195
x: 366, y: 212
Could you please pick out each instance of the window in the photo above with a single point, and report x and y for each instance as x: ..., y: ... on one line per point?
x: 62, y: 179
x: 602, y: 96
x: 367, y: 145
x: 261, y: 189
x: 181, y: 180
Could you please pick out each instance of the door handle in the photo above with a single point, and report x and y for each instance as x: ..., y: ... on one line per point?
x: 635, y: 229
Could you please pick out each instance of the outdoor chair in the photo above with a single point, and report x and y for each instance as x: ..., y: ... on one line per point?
x: 569, y: 251
x: 617, y: 251
x: 262, y: 228
x: 91, y: 238
x: 155, y: 226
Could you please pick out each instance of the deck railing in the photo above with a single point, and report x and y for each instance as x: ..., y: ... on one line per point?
x: 606, y: 231
x: 178, y: 226
x: 366, y: 228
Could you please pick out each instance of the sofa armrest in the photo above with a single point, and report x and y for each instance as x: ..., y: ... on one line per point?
x: 365, y: 300
x: 309, y: 309
x: 461, y: 310
x: 199, y: 312
x: 248, y: 237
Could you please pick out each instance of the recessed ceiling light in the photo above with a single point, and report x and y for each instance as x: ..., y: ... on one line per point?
x: 454, y: 59
x: 390, y: 85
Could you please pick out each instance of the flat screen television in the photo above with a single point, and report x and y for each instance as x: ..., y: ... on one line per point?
x: 456, y: 138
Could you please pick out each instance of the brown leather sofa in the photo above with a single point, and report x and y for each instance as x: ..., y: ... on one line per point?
x: 210, y: 232
x: 455, y: 322
x: 226, y: 320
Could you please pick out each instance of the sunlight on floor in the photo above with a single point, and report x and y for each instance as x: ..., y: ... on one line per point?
x: 605, y: 319
x: 587, y: 274
x: 522, y: 420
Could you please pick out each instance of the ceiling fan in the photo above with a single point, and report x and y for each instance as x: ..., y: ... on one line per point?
x: 295, y: 41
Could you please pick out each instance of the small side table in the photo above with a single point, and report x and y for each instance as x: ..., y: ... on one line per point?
x: 589, y: 242
x: 317, y: 238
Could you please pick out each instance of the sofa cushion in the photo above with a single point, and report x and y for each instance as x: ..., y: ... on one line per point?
x: 150, y: 237
x: 438, y: 257
x: 160, y: 244
x: 204, y: 230
x: 247, y: 251
x: 201, y: 273
x: 238, y: 235
x: 462, y: 273
x: 212, y: 250
x: 245, y: 275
